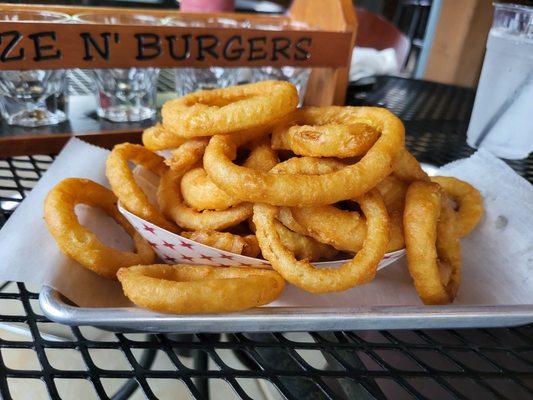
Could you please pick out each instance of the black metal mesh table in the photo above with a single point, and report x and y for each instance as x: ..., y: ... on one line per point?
x: 440, y: 364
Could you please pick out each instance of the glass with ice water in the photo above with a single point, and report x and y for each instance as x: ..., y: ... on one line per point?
x: 34, y: 97
x: 124, y: 94
x: 500, y: 120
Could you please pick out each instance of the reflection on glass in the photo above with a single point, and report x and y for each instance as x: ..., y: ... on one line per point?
x: 36, y: 97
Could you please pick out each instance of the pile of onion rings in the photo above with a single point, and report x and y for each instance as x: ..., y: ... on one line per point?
x: 250, y: 173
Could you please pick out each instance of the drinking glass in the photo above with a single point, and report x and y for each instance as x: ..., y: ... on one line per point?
x: 296, y: 75
x: 502, y: 109
x: 124, y: 94
x: 35, y: 97
x: 192, y: 79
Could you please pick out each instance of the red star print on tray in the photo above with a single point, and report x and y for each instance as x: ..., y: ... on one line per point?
x: 171, y: 259
x: 185, y: 244
x: 187, y: 258
x: 204, y: 257
x: 169, y: 245
x: 147, y: 228
x: 226, y: 257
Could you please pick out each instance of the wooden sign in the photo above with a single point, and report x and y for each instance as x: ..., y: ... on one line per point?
x: 26, y: 45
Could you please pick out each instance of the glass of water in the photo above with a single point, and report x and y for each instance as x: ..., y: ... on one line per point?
x: 192, y: 79
x: 124, y: 94
x: 35, y: 97
x: 500, y: 121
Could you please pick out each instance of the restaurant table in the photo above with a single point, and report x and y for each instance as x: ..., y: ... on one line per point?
x: 396, y: 364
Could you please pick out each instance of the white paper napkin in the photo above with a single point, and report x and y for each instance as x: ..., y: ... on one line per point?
x: 497, y: 256
x: 28, y: 253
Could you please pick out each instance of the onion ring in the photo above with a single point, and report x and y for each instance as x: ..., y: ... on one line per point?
x: 344, y: 230
x: 170, y: 200
x: 78, y: 242
x: 192, y: 149
x: 200, y: 193
x: 198, y: 289
x: 432, y: 243
x: 126, y: 189
x: 244, y: 245
x: 408, y: 169
x: 468, y: 199
x: 231, y: 109
x: 362, y: 269
x: 158, y: 138
x: 302, y: 190
x: 303, y: 247
x: 309, y: 132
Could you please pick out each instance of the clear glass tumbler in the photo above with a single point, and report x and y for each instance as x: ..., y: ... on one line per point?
x: 192, y: 79
x: 35, y: 97
x: 500, y: 121
x: 296, y: 75
x: 124, y: 94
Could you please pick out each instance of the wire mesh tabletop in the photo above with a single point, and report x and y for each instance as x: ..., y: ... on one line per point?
x: 68, y: 362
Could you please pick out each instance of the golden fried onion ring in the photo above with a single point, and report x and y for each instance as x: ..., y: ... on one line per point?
x: 303, y: 247
x: 198, y: 289
x: 78, y: 242
x: 302, y: 190
x: 199, y: 192
x: 192, y: 149
x: 361, y: 269
x: 407, y: 168
x: 126, y: 189
x: 171, y: 203
x: 231, y: 109
x: 309, y: 132
x: 158, y: 138
x: 344, y: 230
x: 468, y: 199
x: 244, y: 245
x: 432, y: 243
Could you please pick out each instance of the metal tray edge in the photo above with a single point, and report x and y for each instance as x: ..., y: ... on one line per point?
x: 281, y: 319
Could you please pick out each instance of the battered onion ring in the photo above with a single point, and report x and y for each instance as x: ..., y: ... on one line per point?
x: 158, y: 138
x: 303, y: 247
x: 171, y: 202
x: 198, y: 289
x: 192, y: 149
x: 468, y: 199
x: 432, y: 243
x: 307, y: 133
x: 231, y: 109
x: 199, y: 191
x: 244, y: 245
x: 407, y: 168
x: 302, y: 190
x: 126, y: 189
x: 362, y: 269
x: 344, y: 230
x: 78, y: 242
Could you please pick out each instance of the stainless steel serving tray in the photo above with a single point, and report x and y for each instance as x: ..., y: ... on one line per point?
x: 286, y: 319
